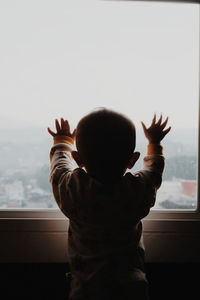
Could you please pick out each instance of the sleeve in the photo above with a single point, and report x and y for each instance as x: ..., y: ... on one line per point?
x: 61, y: 166
x: 150, y: 177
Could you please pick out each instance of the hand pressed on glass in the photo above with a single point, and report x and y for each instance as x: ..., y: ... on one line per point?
x: 62, y: 129
x: 155, y: 133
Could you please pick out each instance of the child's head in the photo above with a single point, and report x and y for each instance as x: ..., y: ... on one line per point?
x: 105, y: 141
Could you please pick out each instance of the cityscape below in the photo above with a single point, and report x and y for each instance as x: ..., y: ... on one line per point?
x: 24, y: 172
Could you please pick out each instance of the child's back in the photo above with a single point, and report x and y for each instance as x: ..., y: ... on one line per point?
x: 104, y: 204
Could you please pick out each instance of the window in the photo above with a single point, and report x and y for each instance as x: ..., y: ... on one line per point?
x: 69, y: 57
x: 70, y: 62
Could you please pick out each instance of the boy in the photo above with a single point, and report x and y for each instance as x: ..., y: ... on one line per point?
x: 104, y: 204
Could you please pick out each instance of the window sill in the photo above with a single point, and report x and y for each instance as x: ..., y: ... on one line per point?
x: 41, y: 236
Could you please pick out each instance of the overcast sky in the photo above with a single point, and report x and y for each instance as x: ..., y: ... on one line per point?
x: 65, y: 58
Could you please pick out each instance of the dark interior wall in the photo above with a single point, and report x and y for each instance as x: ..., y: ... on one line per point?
x: 48, y: 281
x: 174, y: 281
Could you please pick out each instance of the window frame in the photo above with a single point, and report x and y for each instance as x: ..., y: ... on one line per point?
x: 40, y: 235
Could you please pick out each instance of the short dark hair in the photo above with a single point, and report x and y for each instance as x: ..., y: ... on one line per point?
x: 105, y: 138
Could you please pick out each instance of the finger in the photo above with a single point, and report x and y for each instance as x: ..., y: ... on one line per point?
x: 144, y: 126
x: 62, y: 122
x: 67, y: 127
x: 167, y: 130
x: 160, y: 120
x: 74, y: 133
x: 57, y: 125
x: 51, y: 132
x: 153, y: 120
x: 164, y: 123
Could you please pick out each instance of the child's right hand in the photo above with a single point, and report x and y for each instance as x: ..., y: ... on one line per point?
x: 155, y: 133
x: 62, y: 129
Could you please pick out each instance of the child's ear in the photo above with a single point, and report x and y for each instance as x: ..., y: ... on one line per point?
x: 77, y: 158
x: 133, y: 159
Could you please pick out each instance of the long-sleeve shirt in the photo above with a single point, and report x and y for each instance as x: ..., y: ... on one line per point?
x: 105, y: 227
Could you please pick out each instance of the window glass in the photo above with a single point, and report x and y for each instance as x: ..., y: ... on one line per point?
x: 66, y: 58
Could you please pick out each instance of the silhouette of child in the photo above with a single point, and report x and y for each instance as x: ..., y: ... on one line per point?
x: 104, y: 203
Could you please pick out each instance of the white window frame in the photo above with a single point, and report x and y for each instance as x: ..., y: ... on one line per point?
x: 41, y: 235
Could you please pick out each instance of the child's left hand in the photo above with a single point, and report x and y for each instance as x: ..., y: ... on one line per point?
x: 62, y: 128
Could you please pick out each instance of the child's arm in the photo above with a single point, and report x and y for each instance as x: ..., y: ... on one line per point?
x: 154, y: 160
x: 60, y: 154
x: 155, y: 134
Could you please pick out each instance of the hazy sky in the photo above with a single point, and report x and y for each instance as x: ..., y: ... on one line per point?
x: 65, y: 58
